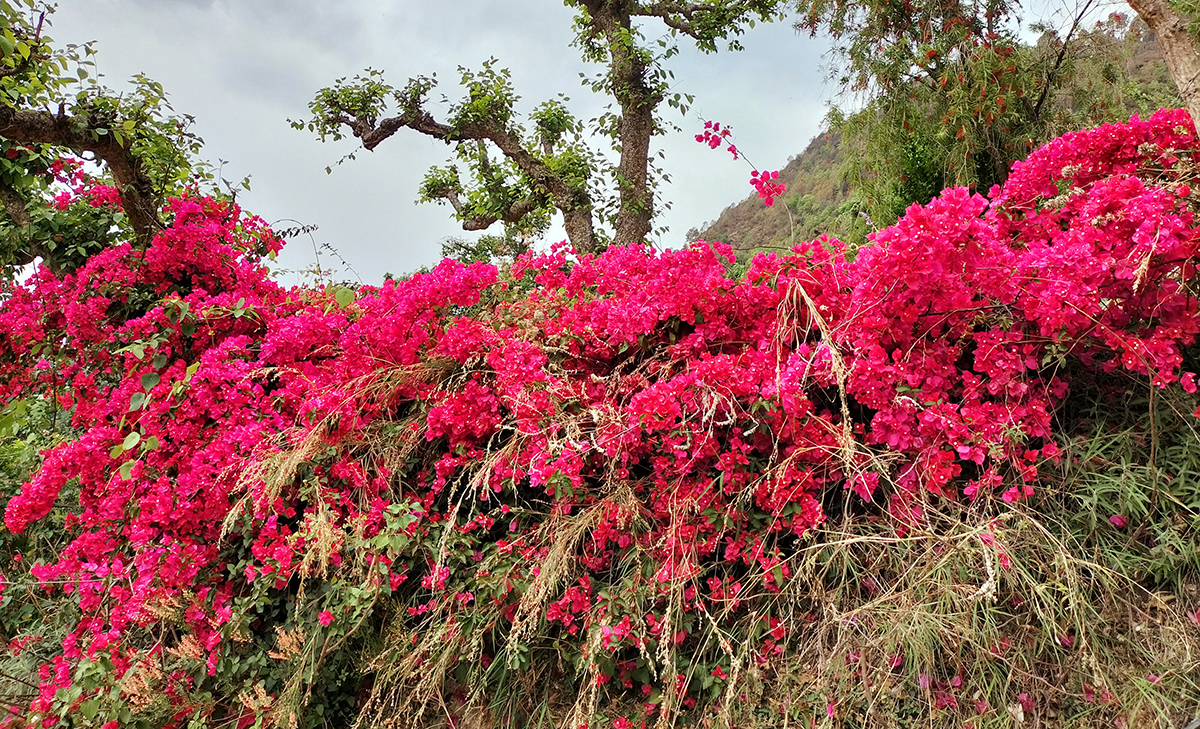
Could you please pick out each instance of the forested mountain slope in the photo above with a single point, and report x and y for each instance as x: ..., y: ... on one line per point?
x: 822, y: 197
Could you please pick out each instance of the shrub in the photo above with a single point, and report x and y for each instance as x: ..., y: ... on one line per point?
x: 613, y: 488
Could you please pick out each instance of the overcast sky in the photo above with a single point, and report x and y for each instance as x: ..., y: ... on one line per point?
x: 244, y: 67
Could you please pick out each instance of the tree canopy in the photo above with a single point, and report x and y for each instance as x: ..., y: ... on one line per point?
x: 549, y: 167
x: 954, y: 96
x: 54, y: 116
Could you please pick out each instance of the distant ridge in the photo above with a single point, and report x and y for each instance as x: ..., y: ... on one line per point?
x: 821, y: 201
x: 816, y: 196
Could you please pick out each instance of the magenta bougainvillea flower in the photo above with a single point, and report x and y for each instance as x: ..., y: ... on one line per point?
x: 233, y: 437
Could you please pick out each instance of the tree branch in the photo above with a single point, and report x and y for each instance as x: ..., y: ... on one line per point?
x: 682, y: 15
x: 515, y: 212
x: 82, y: 135
x: 675, y: 15
x: 15, y: 206
x: 566, y: 198
x: 1058, y: 62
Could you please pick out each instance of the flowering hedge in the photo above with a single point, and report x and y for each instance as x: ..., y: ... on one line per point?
x: 599, y: 462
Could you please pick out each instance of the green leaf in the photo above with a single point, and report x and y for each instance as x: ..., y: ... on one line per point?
x: 116, y: 451
x: 149, y: 380
x: 344, y: 296
x: 151, y: 443
x: 126, y: 470
x: 137, y: 401
x: 160, y: 361
x: 132, y: 440
x: 89, y: 709
x: 191, y: 370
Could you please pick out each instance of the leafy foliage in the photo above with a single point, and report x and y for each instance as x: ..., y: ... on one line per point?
x: 954, y: 97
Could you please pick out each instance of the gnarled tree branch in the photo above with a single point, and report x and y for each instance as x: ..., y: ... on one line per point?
x: 515, y: 212
x: 705, y: 22
x: 15, y: 206
x: 675, y: 15
x: 573, y: 202
x: 138, y: 199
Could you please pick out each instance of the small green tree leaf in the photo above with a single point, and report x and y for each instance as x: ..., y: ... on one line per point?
x: 90, y: 708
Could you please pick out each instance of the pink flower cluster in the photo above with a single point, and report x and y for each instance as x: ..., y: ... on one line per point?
x: 714, y: 135
x: 764, y: 182
x: 700, y: 421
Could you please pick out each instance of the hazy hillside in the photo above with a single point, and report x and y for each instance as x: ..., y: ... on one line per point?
x: 820, y: 199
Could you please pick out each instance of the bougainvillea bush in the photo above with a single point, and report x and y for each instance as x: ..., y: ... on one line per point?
x: 616, y: 489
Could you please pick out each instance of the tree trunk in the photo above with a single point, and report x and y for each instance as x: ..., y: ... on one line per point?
x: 637, y: 99
x: 578, y: 224
x: 637, y: 200
x: 1180, y: 48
